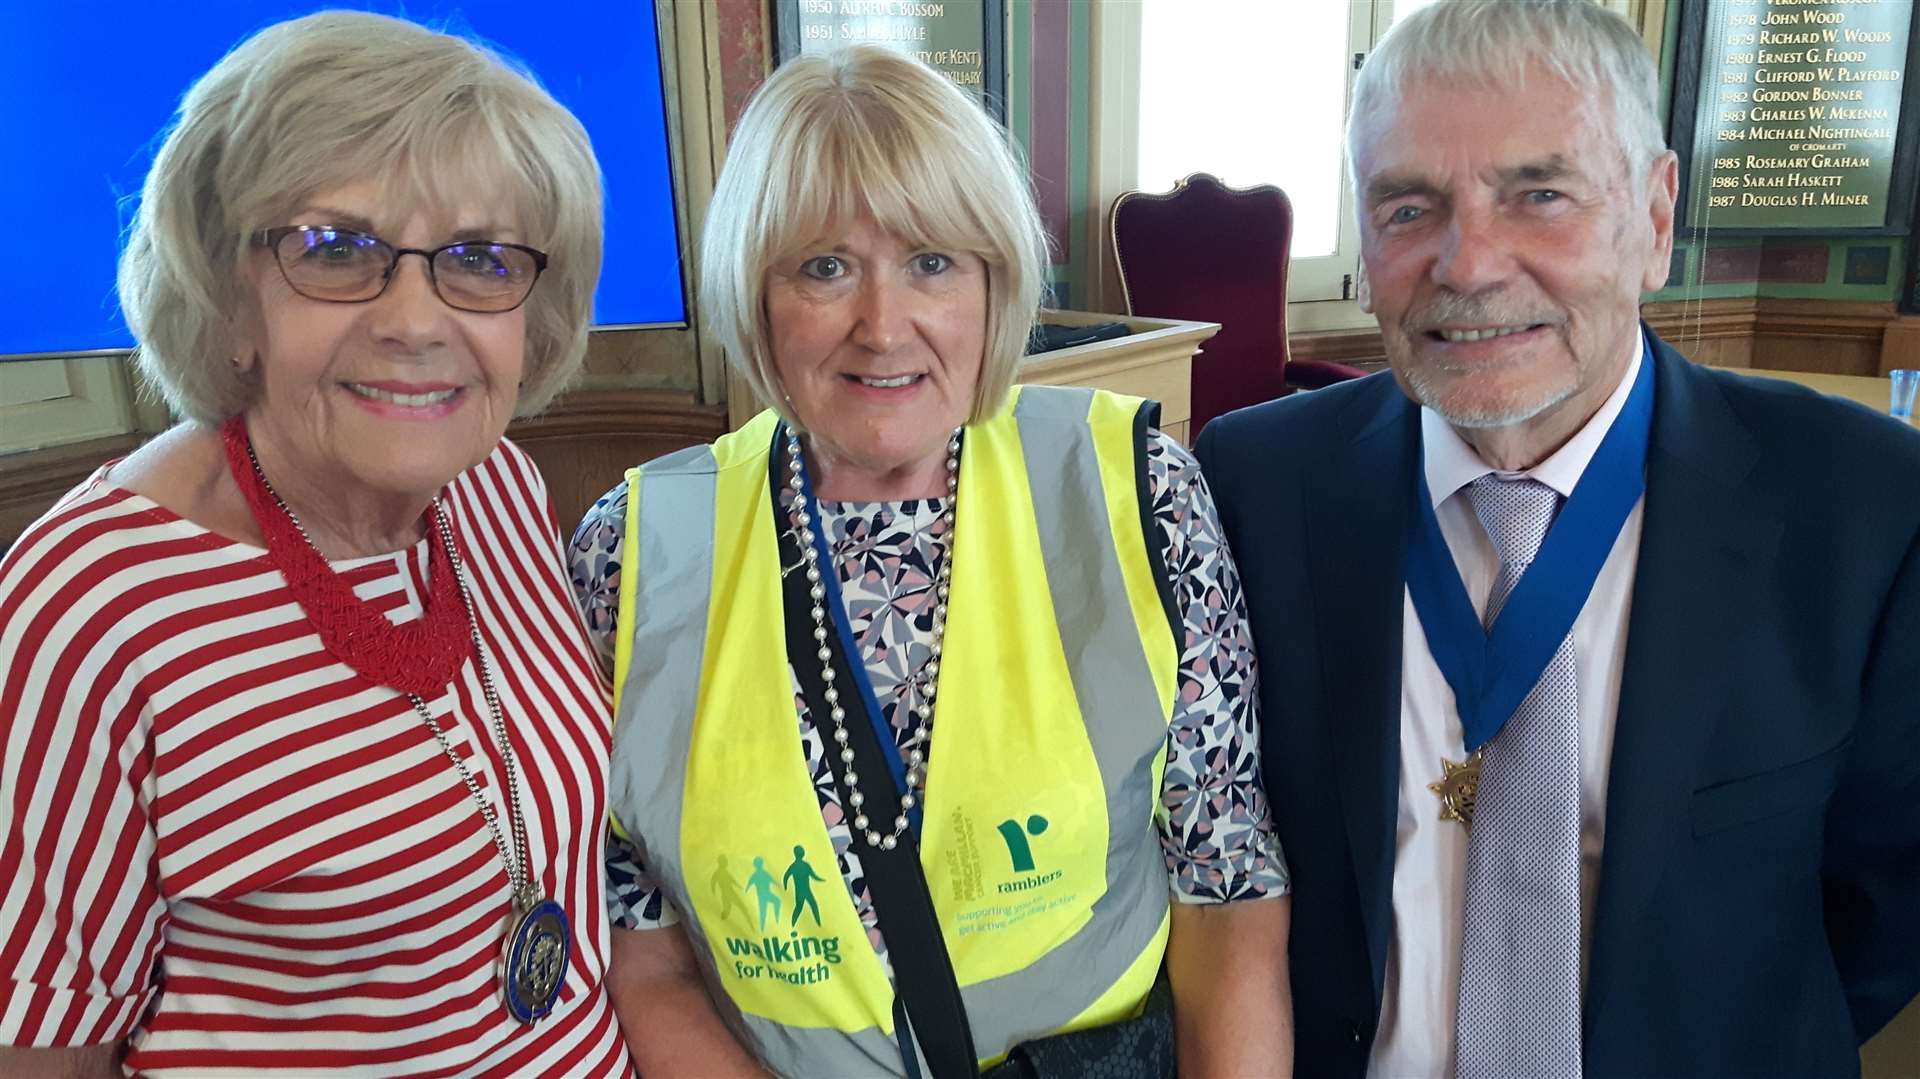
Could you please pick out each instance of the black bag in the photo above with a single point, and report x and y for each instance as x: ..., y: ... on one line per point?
x: 1138, y: 1048
x: 928, y: 1008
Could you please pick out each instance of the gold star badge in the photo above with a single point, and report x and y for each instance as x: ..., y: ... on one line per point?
x: 1458, y: 787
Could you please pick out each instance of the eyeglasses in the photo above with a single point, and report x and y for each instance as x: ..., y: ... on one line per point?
x: 321, y: 262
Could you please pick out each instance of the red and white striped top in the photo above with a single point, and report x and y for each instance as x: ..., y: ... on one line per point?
x: 226, y: 848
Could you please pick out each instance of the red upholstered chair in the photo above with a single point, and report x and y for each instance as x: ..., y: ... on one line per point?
x: 1214, y: 253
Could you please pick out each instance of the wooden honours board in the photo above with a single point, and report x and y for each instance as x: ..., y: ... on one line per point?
x: 1792, y: 115
x: 965, y: 40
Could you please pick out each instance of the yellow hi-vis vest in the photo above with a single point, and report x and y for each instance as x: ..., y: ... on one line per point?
x: 1056, y: 691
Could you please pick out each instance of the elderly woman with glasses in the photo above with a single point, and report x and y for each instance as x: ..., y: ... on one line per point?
x: 302, y: 749
x: 935, y: 722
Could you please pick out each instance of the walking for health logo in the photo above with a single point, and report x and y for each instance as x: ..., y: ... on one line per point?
x: 783, y: 951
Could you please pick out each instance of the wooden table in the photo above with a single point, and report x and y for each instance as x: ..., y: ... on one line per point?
x: 1155, y: 360
x: 1871, y: 392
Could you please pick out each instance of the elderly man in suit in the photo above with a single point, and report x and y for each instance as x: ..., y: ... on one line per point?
x: 1591, y: 677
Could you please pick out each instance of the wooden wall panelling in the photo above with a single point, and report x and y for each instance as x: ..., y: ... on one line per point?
x: 586, y: 442
x: 583, y: 444
x: 32, y: 482
x: 1823, y: 336
x: 1900, y: 345
x: 1714, y: 332
x: 1358, y: 348
x: 1827, y: 336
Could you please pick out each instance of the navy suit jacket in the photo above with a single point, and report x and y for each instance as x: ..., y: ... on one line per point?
x: 1759, y: 896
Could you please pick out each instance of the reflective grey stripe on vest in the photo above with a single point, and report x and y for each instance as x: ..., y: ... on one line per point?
x: 653, y: 734
x: 669, y: 637
x: 1111, y: 679
x: 1120, y: 705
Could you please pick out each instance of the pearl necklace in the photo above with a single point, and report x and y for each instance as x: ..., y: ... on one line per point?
x: 801, y: 515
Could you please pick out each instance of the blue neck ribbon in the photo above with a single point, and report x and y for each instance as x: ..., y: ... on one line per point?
x: 1492, y: 668
x: 856, y: 663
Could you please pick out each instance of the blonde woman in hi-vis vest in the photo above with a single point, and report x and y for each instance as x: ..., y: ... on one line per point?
x: 936, y: 736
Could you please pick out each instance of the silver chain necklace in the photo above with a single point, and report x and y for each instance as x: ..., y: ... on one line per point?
x: 514, y: 854
x: 539, y: 943
x: 801, y: 515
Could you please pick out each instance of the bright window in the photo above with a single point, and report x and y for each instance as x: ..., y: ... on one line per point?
x: 1256, y: 92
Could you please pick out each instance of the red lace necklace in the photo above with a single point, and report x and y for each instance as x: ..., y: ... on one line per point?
x: 419, y: 657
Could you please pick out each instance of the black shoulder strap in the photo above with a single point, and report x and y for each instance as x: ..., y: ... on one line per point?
x: 922, y: 971
x: 1145, y: 422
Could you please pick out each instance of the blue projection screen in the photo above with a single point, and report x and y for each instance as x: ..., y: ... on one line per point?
x: 95, y: 84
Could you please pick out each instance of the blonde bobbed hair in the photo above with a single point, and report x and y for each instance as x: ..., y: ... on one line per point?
x: 332, y: 99
x: 869, y: 131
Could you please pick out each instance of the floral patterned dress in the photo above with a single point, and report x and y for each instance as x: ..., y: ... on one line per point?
x: 1213, y: 823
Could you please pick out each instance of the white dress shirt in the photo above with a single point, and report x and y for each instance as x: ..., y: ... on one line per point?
x: 1415, y: 1037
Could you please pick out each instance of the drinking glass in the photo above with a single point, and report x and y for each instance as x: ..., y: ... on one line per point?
x: 1905, y: 382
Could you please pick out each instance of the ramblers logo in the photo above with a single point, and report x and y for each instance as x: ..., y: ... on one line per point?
x: 793, y: 957
x: 1020, y: 853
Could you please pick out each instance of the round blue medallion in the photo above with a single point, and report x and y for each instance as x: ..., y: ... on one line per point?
x: 538, y: 951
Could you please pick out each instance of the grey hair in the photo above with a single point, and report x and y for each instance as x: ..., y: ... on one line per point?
x: 869, y: 131
x: 1498, y: 43
x: 322, y: 102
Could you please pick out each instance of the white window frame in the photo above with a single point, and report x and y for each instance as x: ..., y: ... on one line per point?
x: 1316, y: 298
x: 1114, y: 151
